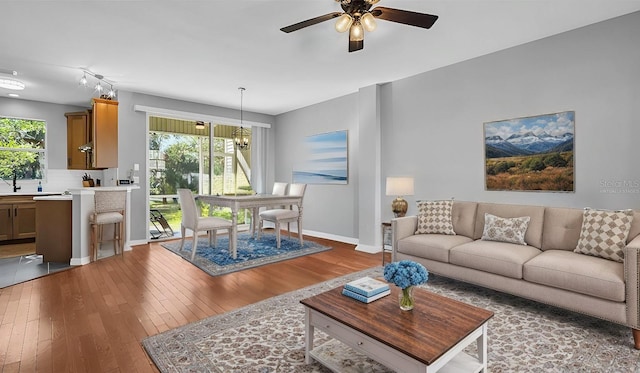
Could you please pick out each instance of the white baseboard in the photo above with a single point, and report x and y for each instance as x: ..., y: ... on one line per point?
x: 80, y: 261
x: 134, y: 243
x: 368, y: 249
x: 333, y: 237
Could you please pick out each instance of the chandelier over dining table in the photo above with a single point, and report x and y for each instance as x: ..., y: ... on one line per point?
x: 241, y: 134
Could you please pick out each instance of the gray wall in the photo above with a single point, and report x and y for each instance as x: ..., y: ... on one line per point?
x: 327, y: 208
x: 432, y: 123
x: 53, y: 115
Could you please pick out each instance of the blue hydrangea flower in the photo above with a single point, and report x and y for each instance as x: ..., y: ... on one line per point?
x: 406, y: 273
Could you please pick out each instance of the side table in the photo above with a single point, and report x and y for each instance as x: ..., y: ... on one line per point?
x: 386, y: 238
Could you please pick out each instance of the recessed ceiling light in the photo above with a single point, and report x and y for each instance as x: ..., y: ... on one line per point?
x: 11, y: 84
x: 13, y: 95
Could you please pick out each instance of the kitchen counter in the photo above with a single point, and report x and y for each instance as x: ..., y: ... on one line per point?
x: 54, y: 197
x: 22, y: 194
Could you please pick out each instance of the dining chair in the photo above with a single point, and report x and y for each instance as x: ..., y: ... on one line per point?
x: 279, y: 189
x: 109, y: 206
x: 191, y: 219
x: 285, y: 215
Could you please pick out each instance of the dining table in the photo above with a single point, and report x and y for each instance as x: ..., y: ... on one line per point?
x: 253, y: 202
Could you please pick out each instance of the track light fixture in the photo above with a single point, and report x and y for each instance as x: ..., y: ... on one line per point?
x: 104, y: 93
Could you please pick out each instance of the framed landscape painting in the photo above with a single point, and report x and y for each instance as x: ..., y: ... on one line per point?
x: 531, y: 153
x: 325, y: 160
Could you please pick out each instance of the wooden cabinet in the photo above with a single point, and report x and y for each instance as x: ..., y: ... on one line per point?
x: 53, y: 227
x: 78, y: 134
x: 17, y: 218
x: 98, y: 128
x: 105, y: 133
x: 6, y: 221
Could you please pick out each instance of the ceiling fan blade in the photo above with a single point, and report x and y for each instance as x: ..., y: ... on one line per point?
x: 310, y: 22
x: 405, y: 17
x: 355, y: 45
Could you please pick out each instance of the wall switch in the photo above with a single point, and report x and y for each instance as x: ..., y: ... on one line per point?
x: 136, y: 166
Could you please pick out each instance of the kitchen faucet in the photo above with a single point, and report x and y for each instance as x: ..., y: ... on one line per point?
x: 15, y: 185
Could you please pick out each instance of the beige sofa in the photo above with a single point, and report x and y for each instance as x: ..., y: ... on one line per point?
x: 546, y: 270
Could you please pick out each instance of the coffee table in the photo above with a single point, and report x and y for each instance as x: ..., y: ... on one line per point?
x: 429, y: 338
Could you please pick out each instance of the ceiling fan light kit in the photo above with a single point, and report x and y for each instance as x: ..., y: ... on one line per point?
x: 357, y: 16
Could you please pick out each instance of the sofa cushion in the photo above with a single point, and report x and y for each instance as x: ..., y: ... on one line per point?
x: 634, y: 231
x: 561, y: 228
x: 431, y: 246
x: 501, y: 258
x: 579, y: 273
x: 604, y: 233
x: 435, y: 217
x: 533, y: 236
x: 463, y: 215
x: 505, y: 229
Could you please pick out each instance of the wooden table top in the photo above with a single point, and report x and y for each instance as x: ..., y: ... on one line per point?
x: 435, y: 324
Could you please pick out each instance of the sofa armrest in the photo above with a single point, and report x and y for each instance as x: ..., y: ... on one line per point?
x: 632, y: 281
x: 402, y: 227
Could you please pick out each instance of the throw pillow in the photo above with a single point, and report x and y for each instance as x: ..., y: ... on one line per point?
x: 435, y: 217
x: 604, y: 233
x: 510, y: 230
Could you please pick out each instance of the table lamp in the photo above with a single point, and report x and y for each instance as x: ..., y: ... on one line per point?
x: 399, y: 186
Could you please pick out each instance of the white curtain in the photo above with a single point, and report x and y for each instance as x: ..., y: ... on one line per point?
x: 259, y: 159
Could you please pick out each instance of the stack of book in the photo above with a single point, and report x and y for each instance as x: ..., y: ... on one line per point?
x: 366, y: 289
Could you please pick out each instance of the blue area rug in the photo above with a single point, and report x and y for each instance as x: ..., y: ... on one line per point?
x: 251, y: 252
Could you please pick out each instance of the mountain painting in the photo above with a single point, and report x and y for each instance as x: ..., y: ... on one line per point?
x: 530, y: 154
x: 325, y: 160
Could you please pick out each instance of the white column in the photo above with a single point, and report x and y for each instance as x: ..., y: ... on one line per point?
x: 369, y: 171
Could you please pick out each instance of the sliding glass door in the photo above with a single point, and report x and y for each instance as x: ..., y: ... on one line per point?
x: 205, y: 161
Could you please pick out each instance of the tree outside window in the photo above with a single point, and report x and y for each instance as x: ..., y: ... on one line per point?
x: 22, y: 148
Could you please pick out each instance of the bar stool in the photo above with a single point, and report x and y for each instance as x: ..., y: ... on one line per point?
x: 109, y: 209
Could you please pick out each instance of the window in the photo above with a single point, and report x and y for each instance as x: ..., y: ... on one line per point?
x: 22, y: 148
x: 181, y: 156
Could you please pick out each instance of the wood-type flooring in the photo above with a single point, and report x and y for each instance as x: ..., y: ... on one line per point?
x: 92, y: 318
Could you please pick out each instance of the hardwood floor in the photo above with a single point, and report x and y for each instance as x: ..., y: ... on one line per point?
x: 92, y: 318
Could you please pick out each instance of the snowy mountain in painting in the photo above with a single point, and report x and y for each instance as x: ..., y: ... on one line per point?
x: 527, y: 143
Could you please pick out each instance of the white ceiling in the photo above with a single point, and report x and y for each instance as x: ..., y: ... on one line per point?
x: 202, y: 51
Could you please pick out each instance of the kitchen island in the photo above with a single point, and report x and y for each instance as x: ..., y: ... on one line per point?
x: 53, y: 227
x: 82, y: 208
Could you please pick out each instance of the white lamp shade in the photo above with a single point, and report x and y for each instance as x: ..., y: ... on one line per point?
x: 399, y: 186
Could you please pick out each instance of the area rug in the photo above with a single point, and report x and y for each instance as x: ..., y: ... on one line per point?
x: 268, y: 336
x: 251, y: 252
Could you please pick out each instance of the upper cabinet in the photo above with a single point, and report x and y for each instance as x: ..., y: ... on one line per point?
x: 78, y: 132
x: 105, y: 133
x: 95, y: 131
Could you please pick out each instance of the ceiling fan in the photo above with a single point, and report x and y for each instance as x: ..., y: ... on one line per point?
x: 358, y: 17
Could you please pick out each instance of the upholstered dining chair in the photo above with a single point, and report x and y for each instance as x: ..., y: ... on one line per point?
x: 109, y: 206
x: 285, y: 215
x: 191, y: 219
x: 279, y: 189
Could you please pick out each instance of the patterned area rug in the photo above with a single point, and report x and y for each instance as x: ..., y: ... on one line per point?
x: 251, y: 252
x: 268, y: 336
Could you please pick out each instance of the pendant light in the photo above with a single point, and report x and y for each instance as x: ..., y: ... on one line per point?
x: 241, y: 135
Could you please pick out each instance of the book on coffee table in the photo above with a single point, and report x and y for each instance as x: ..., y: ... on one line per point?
x: 367, y: 286
x: 364, y: 299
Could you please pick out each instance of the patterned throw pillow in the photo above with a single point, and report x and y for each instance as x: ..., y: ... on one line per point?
x: 435, y: 217
x: 604, y: 233
x: 510, y: 230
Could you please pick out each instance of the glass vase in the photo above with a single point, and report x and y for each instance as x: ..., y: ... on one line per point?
x: 405, y: 297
